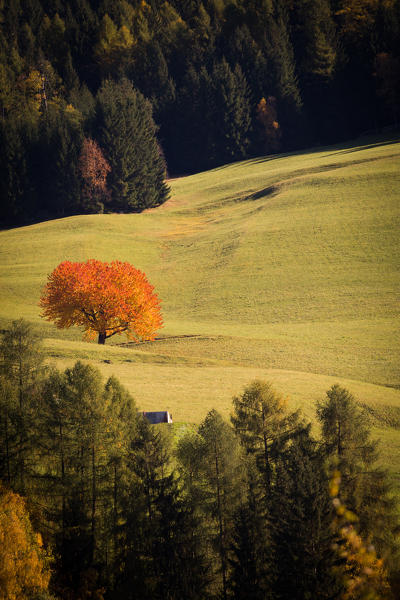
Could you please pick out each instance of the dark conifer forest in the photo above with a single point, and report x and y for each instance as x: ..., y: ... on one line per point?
x: 251, y: 509
x: 100, y: 99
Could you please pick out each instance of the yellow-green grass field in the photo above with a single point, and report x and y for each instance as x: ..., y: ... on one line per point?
x: 283, y: 268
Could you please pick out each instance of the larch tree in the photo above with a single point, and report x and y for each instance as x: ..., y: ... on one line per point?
x: 73, y: 454
x: 21, y: 368
x: 81, y: 474
x: 104, y: 298
x: 365, y: 487
x: 264, y: 426
x: 222, y: 473
x: 363, y: 574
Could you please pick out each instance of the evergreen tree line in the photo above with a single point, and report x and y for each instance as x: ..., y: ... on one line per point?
x: 196, y: 83
x: 54, y: 166
x: 243, y: 510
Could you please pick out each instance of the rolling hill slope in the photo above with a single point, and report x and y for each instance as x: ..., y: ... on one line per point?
x: 285, y: 268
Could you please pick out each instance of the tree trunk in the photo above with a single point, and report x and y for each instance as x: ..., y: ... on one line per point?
x: 102, y: 337
x: 7, y: 450
x: 221, y: 529
x: 63, y: 486
x: 266, y: 458
x: 115, y: 511
x: 94, y: 499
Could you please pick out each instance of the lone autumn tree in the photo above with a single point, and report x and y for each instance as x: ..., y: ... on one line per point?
x: 103, y: 298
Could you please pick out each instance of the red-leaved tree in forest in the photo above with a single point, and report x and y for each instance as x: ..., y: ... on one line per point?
x: 269, y: 127
x: 103, y: 298
x: 94, y: 169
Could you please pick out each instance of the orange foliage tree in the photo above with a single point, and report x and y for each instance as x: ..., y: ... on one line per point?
x: 104, y: 298
x: 24, y: 569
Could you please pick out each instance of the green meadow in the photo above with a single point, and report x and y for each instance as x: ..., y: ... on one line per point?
x: 283, y: 268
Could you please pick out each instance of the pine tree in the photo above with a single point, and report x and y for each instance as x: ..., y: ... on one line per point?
x: 128, y: 136
x: 241, y: 48
x: 152, y: 77
x: 82, y: 478
x: 113, y: 47
x: 121, y: 423
x: 56, y: 440
x: 8, y: 431
x: 189, y: 150
x: 189, y: 454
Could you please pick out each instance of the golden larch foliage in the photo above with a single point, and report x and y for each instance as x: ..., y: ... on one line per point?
x: 24, y: 567
x: 365, y: 577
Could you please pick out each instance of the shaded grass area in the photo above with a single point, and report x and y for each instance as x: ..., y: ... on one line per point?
x: 331, y: 348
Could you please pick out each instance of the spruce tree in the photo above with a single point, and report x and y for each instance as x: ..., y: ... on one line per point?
x: 56, y: 164
x: 285, y: 86
x: 189, y: 151
x: 159, y: 554
x: 228, y: 115
x: 315, y: 47
x: 15, y: 175
x: 301, y: 518
x: 252, y: 559
x: 128, y: 136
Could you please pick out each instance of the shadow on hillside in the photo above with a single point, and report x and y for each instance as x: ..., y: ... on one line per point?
x: 268, y: 191
x: 356, y: 145
x: 364, y: 147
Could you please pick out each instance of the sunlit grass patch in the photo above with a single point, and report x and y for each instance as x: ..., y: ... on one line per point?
x: 282, y: 267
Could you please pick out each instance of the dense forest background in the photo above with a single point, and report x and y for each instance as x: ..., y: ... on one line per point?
x: 99, y: 97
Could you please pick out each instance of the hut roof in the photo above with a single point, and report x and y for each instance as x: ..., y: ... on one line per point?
x: 161, y: 416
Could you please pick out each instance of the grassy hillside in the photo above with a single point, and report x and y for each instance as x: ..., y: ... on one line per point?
x: 284, y: 268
